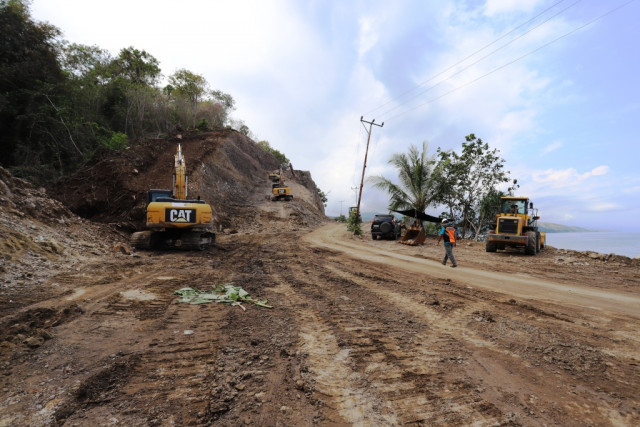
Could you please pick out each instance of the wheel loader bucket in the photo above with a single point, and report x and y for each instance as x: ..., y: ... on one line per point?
x: 414, y: 236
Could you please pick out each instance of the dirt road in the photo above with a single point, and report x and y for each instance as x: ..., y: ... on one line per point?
x: 522, y: 285
x: 362, y: 333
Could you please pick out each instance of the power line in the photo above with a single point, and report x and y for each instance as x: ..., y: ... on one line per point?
x: 473, y: 54
x: 511, y: 62
x: 482, y: 58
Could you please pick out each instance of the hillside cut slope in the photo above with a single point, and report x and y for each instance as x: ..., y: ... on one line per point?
x: 225, y: 168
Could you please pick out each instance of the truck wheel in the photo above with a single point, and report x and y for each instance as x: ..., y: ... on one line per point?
x: 491, y: 247
x: 530, y: 249
x: 373, y: 237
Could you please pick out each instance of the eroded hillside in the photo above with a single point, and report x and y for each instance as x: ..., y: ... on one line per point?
x: 227, y: 169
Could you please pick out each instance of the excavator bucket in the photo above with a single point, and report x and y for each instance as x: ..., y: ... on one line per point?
x: 414, y: 236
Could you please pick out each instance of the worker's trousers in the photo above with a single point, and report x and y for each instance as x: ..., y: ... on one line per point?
x: 448, y: 254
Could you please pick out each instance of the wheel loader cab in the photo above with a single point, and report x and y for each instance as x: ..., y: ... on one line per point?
x: 514, y: 206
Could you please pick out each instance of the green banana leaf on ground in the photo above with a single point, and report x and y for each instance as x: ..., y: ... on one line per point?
x: 225, y: 293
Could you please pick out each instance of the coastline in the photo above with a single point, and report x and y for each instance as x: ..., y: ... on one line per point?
x: 601, y: 242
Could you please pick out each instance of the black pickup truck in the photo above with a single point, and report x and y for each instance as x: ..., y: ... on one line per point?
x: 385, y: 226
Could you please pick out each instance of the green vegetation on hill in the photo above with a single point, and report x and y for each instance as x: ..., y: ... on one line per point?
x: 62, y: 103
x: 559, y: 228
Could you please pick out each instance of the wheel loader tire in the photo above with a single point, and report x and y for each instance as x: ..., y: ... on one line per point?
x: 491, y: 247
x: 530, y: 249
x: 538, y: 247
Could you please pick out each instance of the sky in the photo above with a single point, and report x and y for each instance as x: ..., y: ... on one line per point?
x: 551, y: 84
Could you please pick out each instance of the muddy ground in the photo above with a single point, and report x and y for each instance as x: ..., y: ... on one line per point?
x: 356, y: 337
x: 361, y: 332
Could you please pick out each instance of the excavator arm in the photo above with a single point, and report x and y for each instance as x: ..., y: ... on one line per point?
x: 180, y: 176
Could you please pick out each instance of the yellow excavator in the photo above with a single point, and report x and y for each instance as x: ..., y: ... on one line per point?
x: 174, y: 221
x: 279, y: 190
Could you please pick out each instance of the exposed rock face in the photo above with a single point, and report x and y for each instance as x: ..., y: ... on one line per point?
x: 225, y: 168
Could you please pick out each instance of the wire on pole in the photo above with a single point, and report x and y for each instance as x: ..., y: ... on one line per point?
x: 364, y: 166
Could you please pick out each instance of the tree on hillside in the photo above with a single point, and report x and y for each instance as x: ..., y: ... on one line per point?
x: 87, y: 72
x: 415, y: 188
x: 134, y: 74
x: 464, y: 181
x: 191, y: 87
x: 29, y: 79
x: 224, y: 104
x: 284, y: 161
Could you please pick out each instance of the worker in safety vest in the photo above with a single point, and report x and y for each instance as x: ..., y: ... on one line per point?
x: 448, y: 234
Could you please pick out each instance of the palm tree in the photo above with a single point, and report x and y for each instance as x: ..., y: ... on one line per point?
x: 414, y: 190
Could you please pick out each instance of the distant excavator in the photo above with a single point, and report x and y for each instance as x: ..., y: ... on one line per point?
x: 279, y: 190
x: 173, y: 221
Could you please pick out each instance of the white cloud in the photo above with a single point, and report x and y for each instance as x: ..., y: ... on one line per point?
x: 565, y: 178
x: 368, y: 35
x: 600, y: 170
x: 552, y: 147
x: 603, y: 206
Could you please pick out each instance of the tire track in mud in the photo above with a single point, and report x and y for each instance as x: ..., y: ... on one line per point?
x: 173, y: 371
x: 373, y: 365
x: 330, y: 370
x: 505, y: 373
x: 171, y: 352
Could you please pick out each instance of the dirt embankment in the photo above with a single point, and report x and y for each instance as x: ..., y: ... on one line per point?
x: 225, y: 168
x: 362, y: 332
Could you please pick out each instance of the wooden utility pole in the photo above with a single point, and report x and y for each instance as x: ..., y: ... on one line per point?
x: 371, y: 123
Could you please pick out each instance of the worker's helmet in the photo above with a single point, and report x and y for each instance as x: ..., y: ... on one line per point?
x: 445, y: 220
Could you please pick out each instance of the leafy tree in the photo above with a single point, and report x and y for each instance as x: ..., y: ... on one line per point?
x: 190, y: 86
x: 118, y: 142
x: 284, y: 161
x: 354, y: 224
x: 224, y: 99
x: 415, y: 188
x: 244, y: 129
x: 86, y: 63
x: 323, y: 196
x: 138, y: 67
x: 29, y: 78
x: 463, y: 181
x: 489, y: 207
x: 134, y: 74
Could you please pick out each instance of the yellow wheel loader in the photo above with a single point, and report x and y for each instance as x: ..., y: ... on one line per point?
x: 174, y: 221
x: 516, y: 227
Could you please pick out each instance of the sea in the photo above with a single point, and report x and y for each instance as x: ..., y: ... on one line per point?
x: 604, y: 242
